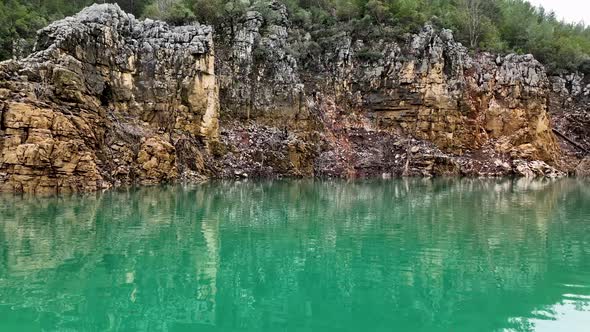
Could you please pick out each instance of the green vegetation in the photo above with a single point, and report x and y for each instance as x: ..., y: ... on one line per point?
x: 490, y: 25
x: 20, y: 19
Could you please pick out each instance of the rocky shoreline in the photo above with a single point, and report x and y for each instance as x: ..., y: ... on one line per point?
x: 107, y: 100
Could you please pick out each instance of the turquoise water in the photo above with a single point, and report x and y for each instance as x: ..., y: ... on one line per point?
x: 400, y: 255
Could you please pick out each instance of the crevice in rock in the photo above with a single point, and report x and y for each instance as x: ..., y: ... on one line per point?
x: 106, y: 97
x: 2, y: 109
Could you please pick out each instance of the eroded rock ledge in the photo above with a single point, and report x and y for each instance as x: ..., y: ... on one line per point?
x: 107, y: 100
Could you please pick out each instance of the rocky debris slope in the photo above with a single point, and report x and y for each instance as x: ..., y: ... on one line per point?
x: 105, y: 100
x: 569, y: 107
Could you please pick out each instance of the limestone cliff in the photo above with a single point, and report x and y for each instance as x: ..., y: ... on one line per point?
x: 415, y: 105
x: 107, y: 100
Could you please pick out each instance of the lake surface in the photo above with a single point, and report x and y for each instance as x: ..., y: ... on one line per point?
x: 399, y: 255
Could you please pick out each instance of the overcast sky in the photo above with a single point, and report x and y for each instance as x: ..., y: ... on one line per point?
x: 569, y: 10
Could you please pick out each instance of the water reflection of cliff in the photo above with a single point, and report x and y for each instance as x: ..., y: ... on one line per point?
x: 421, y: 254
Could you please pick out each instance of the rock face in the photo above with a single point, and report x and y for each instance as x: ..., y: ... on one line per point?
x: 107, y: 100
x: 257, y: 74
x: 371, y: 101
x: 104, y: 100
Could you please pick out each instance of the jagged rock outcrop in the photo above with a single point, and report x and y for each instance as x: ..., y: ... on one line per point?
x: 258, y: 75
x: 432, y: 89
x: 104, y: 100
x: 369, y: 96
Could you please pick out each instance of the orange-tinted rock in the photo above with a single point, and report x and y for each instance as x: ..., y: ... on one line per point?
x: 90, y: 108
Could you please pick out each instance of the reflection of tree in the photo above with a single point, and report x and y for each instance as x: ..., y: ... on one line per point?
x: 438, y: 254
